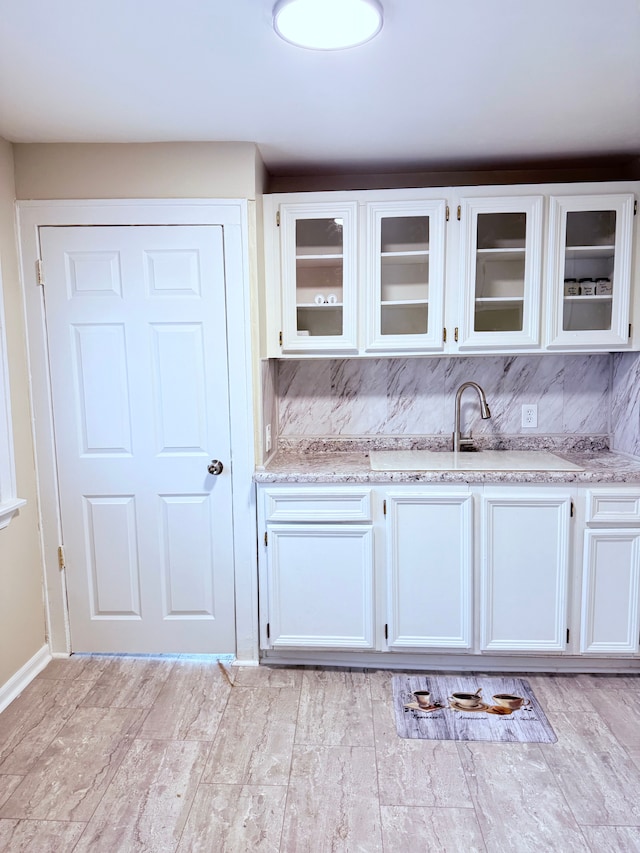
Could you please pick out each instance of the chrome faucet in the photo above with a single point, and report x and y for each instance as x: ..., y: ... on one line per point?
x: 460, y: 443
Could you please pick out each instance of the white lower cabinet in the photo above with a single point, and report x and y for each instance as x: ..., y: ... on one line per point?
x: 525, y: 552
x: 462, y: 568
x: 318, y: 580
x: 610, y: 618
x: 610, y: 592
x: 429, y: 569
x: 321, y: 585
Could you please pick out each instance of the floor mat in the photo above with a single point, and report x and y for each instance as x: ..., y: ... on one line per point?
x: 469, y: 707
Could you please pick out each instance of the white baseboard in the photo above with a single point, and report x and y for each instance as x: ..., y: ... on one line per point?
x: 23, y: 677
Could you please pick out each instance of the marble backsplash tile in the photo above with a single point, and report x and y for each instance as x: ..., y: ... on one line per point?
x: 625, y: 403
x: 415, y: 396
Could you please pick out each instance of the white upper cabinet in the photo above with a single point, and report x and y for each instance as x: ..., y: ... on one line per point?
x: 451, y: 270
x: 319, y: 268
x: 500, y: 273
x: 405, y: 275
x: 590, y: 249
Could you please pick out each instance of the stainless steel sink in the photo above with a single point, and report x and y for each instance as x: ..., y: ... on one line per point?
x: 483, y: 460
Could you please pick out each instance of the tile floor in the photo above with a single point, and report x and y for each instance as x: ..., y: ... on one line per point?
x: 137, y: 754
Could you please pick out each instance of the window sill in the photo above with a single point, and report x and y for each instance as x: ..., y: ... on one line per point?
x: 8, y: 510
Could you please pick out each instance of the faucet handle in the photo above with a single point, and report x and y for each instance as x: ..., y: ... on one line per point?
x: 465, y: 442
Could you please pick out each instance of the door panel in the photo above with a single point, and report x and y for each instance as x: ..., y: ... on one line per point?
x: 611, y: 584
x: 430, y: 557
x: 307, y: 565
x: 113, y: 571
x: 525, y: 569
x: 99, y: 362
x: 138, y: 356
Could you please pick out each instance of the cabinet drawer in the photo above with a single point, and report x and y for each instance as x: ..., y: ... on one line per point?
x: 610, y: 506
x: 317, y: 504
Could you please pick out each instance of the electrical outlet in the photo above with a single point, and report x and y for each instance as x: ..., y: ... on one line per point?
x: 267, y: 438
x: 530, y: 415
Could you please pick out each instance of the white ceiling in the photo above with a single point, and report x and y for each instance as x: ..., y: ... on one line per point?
x: 447, y: 82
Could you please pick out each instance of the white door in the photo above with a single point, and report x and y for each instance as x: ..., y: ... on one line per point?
x: 501, y: 273
x: 319, y: 277
x: 430, y: 558
x: 138, y: 358
x: 590, y: 270
x: 405, y: 275
x: 525, y: 568
x: 320, y: 580
x: 610, y: 592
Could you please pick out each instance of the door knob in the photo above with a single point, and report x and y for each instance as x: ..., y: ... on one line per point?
x: 215, y: 467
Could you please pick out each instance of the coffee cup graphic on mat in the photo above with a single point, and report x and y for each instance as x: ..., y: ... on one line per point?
x: 506, y: 700
x: 467, y: 700
x: 423, y: 698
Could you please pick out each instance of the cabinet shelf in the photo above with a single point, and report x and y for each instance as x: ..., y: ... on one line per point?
x: 574, y: 252
x: 495, y: 299
x: 303, y: 261
x: 598, y: 297
x: 590, y: 259
x: 405, y: 257
x: 406, y: 302
x: 498, y: 252
x: 319, y: 307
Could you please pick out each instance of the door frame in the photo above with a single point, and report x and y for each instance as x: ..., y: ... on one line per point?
x: 232, y: 215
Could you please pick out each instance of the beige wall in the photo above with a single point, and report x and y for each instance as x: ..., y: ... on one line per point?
x: 22, y: 620
x: 140, y: 170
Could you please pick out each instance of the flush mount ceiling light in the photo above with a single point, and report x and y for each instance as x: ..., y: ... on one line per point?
x: 327, y: 24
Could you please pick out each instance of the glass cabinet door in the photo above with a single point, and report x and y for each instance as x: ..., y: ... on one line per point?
x: 590, y: 270
x: 405, y: 275
x: 501, y: 252
x: 318, y: 244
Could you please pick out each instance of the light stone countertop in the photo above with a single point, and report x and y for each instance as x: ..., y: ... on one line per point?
x: 326, y: 460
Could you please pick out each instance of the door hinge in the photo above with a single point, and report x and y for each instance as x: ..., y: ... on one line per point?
x: 635, y: 207
x: 268, y: 630
x: 61, y: 563
x: 573, y: 509
x: 455, y: 335
x: 386, y: 631
x: 266, y: 538
x: 459, y: 213
x: 629, y: 329
x: 444, y: 335
x: 567, y: 636
x: 447, y: 213
x: 280, y: 338
x: 384, y: 507
x: 39, y: 272
x: 278, y: 218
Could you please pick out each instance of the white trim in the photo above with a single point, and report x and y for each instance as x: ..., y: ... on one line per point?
x: 453, y: 661
x: 232, y: 215
x: 23, y: 677
x: 9, y: 501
